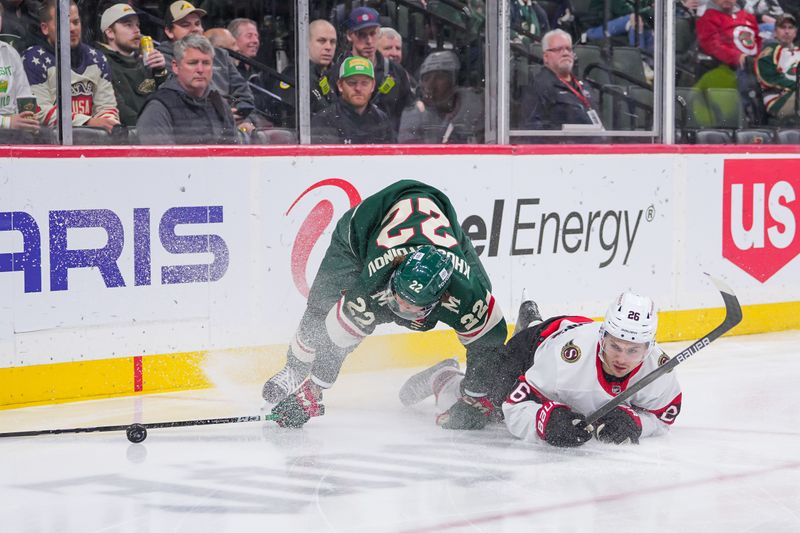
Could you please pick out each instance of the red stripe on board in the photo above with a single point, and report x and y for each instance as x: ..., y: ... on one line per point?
x: 379, y: 150
x: 137, y: 373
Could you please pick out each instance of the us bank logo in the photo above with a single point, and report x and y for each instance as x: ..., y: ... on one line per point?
x: 314, y: 225
x: 760, y: 215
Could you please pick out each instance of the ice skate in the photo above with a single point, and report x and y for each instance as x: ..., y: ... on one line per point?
x: 287, y: 381
x: 528, y: 315
x: 420, y: 385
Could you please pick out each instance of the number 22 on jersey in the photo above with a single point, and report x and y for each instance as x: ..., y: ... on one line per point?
x: 396, y: 233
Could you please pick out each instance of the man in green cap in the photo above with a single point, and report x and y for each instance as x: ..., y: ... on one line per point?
x: 353, y: 119
x: 399, y: 256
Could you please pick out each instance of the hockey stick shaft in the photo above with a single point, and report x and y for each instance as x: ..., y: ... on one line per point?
x: 124, y: 427
x: 733, y: 315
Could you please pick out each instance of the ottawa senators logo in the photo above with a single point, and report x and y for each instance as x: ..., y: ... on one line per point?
x: 663, y: 360
x: 570, y: 353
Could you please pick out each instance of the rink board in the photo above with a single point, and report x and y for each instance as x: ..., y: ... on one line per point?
x: 125, y: 272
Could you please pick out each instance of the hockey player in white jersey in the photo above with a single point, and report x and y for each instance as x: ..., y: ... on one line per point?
x: 567, y: 367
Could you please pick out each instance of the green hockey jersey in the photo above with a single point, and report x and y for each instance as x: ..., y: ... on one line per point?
x: 379, y: 233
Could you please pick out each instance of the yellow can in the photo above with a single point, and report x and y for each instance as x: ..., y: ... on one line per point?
x: 146, y: 46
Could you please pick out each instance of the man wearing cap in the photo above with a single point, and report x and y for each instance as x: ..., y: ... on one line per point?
x: 181, y: 19
x: 352, y: 119
x: 134, y: 77
x: 392, y: 92
x: 776, y: 69
x: 93, y: 101
x: 446, y: 113
x: 186, y: 109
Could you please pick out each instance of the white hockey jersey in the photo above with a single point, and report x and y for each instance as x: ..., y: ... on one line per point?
x: 13, y: 83
x: 567, y: 369
x: 92, y: 92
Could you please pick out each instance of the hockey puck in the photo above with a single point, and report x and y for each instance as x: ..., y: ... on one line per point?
x: 136, y: 433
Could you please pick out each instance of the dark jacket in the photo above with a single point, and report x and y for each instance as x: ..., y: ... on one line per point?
x: 340, y: 124
x: 553, y: 104
x: 171, y: 116
x: 226, y: 80
x: 463, y: 125
x: 133, y: 83
x: 392, y: 92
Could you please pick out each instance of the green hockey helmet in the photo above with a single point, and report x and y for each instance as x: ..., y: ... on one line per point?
x: 420, y: 281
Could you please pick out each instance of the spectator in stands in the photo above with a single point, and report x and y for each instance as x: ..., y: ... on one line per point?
x: 447, y: 113
x: 557, y: 97
x: 186, y: 109
x: 181, y: 19
x: 766, y: 13
x: 134, y: 78
x: 16, y: 125
x: 245, y: 32
x: 392, y: 92
x: 729, y: 35
x: 247, y: 42
x: 352, y: 119
x: 321, y: 47
x: 390, y: 44
x: 93, y: 101
x: 623, y: 21
x: 528, y: 20
x: 776, y: 69
x: 222, y: 38
x: 16, y: 24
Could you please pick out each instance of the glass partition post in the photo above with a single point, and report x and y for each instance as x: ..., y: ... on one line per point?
x: 64, y: 73
x: 497, y: 79
x: 664, y: 113
x: 303, y: 93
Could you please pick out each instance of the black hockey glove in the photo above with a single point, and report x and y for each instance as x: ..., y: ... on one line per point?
x: 620, y: 426
x: 468, y: 412
x: 295, y: 410
x: 560, y: 426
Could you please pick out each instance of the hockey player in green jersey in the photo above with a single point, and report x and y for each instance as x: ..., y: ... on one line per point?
x: 399, y: 256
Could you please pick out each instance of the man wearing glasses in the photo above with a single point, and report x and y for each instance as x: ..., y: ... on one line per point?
x: 557, y: 97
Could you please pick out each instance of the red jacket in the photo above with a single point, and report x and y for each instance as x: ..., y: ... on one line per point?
x: 727, y: 36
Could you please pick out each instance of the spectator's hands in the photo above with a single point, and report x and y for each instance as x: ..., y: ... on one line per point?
x: 245, y: 126
x: 691, y: 4
x: 742, y: 59
x: 25, y: 121
x: 155, y: 60
x: 768, y: 19
x: 103, y: 121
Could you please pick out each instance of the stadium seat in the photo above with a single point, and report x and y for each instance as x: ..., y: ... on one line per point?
x: 726, y: 108
x: 714, y: 136
x: 753, y: 136
x: 642, y: 118
x: 274, y: 136
x: 788, y: 136
x: 90, y: 136
x: 628, y: 60
x: 686, y: 100
x: 587, y: 54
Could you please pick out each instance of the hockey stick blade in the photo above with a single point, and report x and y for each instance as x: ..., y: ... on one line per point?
x: 733, y: 315
x: 124, y: 427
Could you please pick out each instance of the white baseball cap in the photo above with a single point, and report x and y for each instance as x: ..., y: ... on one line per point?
x: 115, y: 13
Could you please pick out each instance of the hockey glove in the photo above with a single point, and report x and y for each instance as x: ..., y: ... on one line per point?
x: 469, y: 412
x: 620, y: 426
x: 560, y: 426
x: 295, y: 410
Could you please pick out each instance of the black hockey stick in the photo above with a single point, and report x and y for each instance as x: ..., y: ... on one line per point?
x: 733, y: 315
x: 138, y: 432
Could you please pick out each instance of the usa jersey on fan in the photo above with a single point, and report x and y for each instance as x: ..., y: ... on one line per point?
x: 567, y: 369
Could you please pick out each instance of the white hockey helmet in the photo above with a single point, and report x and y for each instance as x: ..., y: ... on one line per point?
x: 632, y: 318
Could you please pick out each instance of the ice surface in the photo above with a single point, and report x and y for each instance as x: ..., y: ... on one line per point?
x: 730, y: 464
